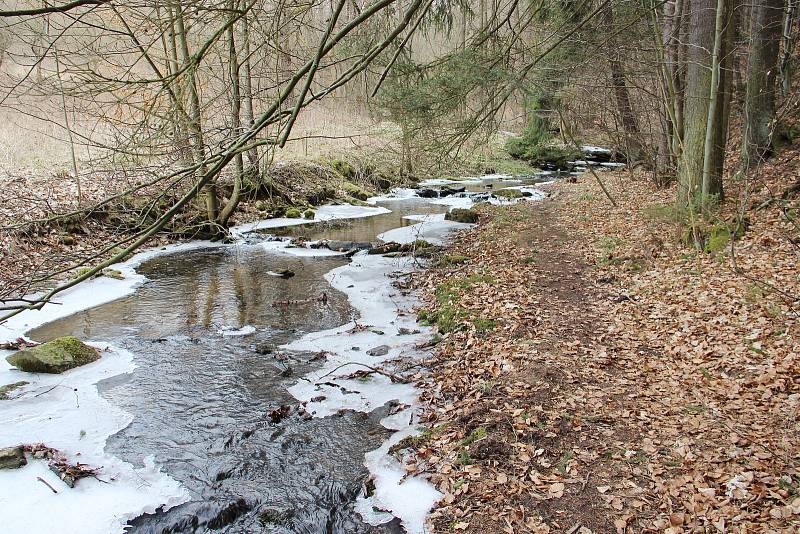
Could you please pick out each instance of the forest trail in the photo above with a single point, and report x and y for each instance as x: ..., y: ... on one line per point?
x: 600, y: 378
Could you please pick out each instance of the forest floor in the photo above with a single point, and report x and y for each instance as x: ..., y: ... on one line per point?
x: 598, y: 375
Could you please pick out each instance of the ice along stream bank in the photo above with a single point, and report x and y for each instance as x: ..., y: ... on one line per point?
x: 177, y: 412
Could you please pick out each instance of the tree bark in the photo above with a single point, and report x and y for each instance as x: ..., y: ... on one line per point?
x: 762, y: 64
x: 700, y: 163
x: 236, y: 122
x: 195, y: 126
x: 630, y: 127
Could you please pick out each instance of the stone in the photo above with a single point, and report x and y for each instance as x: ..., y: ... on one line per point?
x: 347, y: 246
x: 282, y: 273
x: 265, y: 347
x: 56, y: 356
x: 386, y: 248
x: 12, y: 458
x: 427, y: 193
x: 451, y: 190
x: 381, y: 350
x: 5, y: 391
x: 462, y: 215
x: 508, y: 193
x: 293, y: 213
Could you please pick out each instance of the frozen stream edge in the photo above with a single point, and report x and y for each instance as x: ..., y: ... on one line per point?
x: 66, y: 411
x: 71, y: 416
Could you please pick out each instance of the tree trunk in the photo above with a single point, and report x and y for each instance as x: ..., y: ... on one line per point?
x: 195, y: 126
x: 236, y: 122
x: 762, y: 63
x: 700, y: 163
x: 630, y: 127
x: 786, y: 58
x: 247, y: 91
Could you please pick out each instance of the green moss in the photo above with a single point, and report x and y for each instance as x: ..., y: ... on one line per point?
x: 477, y: 434
x: 483, y: 326
x: 420, y: 244
x: 462, y: 215
x: 412, y: 442
x: 113, y: 273
x: 355, y: 191
x: 293, y: 213
x: 508, y: 193
x: 445, y: 318
x: 55, y: 356
x: 343, y: 168
x: 6, y: 390
x: 308, y: 214
x: 464, y: 458
x: 446, y: 261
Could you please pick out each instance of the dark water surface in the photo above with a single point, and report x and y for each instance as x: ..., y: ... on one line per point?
x: 202, y: 400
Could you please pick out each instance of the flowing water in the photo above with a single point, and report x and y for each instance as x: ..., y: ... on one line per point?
x: 205, y: 400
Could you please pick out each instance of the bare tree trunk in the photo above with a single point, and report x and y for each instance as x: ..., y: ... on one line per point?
x: 762, y: 65
x: 236, y: 122
x: 171, y: 61
x: 195, y: 119
x: 630, y: 127
x: 788, y: 44
x: 247, y: 91
x: 699, y: 174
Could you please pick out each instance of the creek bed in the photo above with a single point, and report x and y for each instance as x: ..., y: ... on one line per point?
x: 208, y: 379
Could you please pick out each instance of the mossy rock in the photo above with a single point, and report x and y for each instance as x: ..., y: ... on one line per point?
x: 446, y: 261
x: 343, y: 168
x: 113, y: 273
x: 56, y: 356
x: 12, y: 458
x: 355, y: 191
x: 293, y: 213
x: 462, y: 215
x: 5, y: 391
x: 308, y: 214
x: 508, y: 193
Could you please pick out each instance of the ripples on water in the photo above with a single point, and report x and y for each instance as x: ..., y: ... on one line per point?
x: 201, y: 401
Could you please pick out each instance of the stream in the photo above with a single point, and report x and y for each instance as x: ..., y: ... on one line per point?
x: 210, y: 392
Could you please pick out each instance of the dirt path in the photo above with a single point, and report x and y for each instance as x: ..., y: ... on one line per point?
x: 569, y: 396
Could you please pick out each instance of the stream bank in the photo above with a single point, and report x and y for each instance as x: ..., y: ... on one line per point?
x: 193, y: 409
x: 596, y: 376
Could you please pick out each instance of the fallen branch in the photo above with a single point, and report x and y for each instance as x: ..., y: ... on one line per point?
x: 58, y: 464
x: 372, y: 370
x: 19, y: 344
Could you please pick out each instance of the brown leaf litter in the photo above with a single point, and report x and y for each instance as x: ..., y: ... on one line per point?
x: 603, y: 377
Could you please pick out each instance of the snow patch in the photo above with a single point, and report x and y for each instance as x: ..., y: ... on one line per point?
x: 237, y: 332
x: 70, y: 415
x: 434, y: 230
x: 322, y: 213
x: 383, y: 321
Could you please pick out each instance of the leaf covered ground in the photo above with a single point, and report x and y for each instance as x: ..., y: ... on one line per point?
x: 598, y: 374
